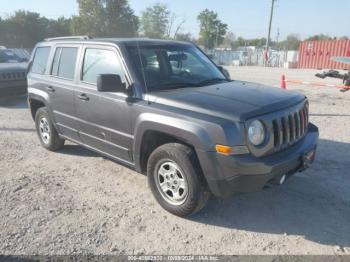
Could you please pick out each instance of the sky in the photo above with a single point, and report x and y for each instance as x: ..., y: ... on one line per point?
x: 246, y: 18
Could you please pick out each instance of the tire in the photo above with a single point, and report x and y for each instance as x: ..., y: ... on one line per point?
x: 180, y: 161
x: 46, y: 131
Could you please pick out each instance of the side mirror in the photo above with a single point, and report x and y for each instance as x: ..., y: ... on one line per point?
x: 211, y: 57
x: 225, y: 72
x: 110, y: 83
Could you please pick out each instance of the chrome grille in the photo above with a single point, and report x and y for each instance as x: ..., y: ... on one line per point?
x: 12, y: 76
x: 290, y: 128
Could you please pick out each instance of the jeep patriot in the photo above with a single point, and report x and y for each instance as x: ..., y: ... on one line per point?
x: 164, y: 109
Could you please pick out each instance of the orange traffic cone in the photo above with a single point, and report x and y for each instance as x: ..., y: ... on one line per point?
x: 283, y: 82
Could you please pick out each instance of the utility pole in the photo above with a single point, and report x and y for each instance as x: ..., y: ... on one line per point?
x: 269, y: 32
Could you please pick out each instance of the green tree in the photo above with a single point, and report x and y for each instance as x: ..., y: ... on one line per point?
x: 105, y: 18
x: 229, y: 40
x: 212, y: 30
x: 23, y: 29
x: 257, y: 42
x: 187, y: 37
x: 174, y: 26
x: 155, y: 21
x: 318, y: 37
x: 59, y: 27
x: 292, y: 42
x: 240, y: 42
x: 120, y: 19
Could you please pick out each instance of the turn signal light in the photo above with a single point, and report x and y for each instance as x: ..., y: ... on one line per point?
x: 225, y: 150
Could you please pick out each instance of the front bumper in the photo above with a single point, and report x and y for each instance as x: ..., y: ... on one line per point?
x: 246, y: 173
x: 13, y: 87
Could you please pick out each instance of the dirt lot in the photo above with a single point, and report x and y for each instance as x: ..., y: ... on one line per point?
x: 75, y: 201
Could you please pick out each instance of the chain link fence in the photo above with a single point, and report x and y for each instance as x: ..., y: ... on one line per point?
x: 250, y: 57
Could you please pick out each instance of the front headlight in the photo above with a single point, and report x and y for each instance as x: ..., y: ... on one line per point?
x: 256, y: 133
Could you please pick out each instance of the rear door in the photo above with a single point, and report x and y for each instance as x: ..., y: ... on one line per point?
x: 61, y: 85
x: 104, y: 117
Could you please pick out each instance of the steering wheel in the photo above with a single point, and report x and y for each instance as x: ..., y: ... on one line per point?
x: 185, y: 74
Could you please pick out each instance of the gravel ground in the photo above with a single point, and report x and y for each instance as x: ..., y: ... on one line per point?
x: 75, y: 201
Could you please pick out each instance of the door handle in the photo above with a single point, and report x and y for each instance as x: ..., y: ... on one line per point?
x: 83, y: 97
x: 50, y: 89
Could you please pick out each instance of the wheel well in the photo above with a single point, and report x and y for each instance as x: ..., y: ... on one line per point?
x: 152, y: 140
x: 34, y: 106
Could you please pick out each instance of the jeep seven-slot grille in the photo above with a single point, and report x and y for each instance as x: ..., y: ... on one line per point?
x: 8, y: 76
x: 289, y: 129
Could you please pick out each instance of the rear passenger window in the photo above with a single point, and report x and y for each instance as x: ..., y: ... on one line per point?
x: 99, y: 61
x: 40, y: 60
x: 64, y: 62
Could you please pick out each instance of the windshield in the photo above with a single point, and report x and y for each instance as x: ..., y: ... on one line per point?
x: 171, y: 66
x: 8, y: 56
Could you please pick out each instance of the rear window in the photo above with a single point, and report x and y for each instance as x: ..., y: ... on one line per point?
x: 40, y: 60
x: 64, y: 62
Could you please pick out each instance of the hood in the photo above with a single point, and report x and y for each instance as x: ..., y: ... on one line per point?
x: 234, y: 100
x: 13, y: 67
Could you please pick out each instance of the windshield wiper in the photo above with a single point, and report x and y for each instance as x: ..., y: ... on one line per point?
x: 176, y: 85
x: 211, y: 81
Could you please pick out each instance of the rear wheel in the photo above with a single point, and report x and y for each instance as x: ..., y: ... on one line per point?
x: 175, y: 179
x: 47, y: 133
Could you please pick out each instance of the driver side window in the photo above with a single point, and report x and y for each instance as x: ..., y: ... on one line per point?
x: 100, y: 61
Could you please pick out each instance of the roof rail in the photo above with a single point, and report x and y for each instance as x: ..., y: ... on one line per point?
x: 82, y: 37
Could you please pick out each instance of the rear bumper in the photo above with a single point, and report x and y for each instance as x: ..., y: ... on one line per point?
x: 246, y: 173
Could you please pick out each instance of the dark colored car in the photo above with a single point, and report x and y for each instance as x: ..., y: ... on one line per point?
x: 163, y: 108
x: 12, y: 73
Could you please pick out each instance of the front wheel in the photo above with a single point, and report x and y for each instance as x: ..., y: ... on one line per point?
x: 175, y: 179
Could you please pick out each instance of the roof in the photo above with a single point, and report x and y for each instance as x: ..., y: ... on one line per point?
x: 112, y: 40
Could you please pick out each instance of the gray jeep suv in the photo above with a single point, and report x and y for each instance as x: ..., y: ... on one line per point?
x: 12, y: 73
x: 163, y: 108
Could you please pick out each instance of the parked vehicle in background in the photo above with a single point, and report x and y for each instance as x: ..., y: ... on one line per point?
x: 13, y: 70
x: 166, y: 110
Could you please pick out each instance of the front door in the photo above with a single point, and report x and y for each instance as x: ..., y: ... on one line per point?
x: 104, y: 118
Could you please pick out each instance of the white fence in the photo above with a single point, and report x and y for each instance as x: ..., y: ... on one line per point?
x: 254, y: 58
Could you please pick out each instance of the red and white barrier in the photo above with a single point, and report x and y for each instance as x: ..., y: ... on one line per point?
x: 284, y: 82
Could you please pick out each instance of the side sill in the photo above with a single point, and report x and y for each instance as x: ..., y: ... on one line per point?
x: 122, y: 161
